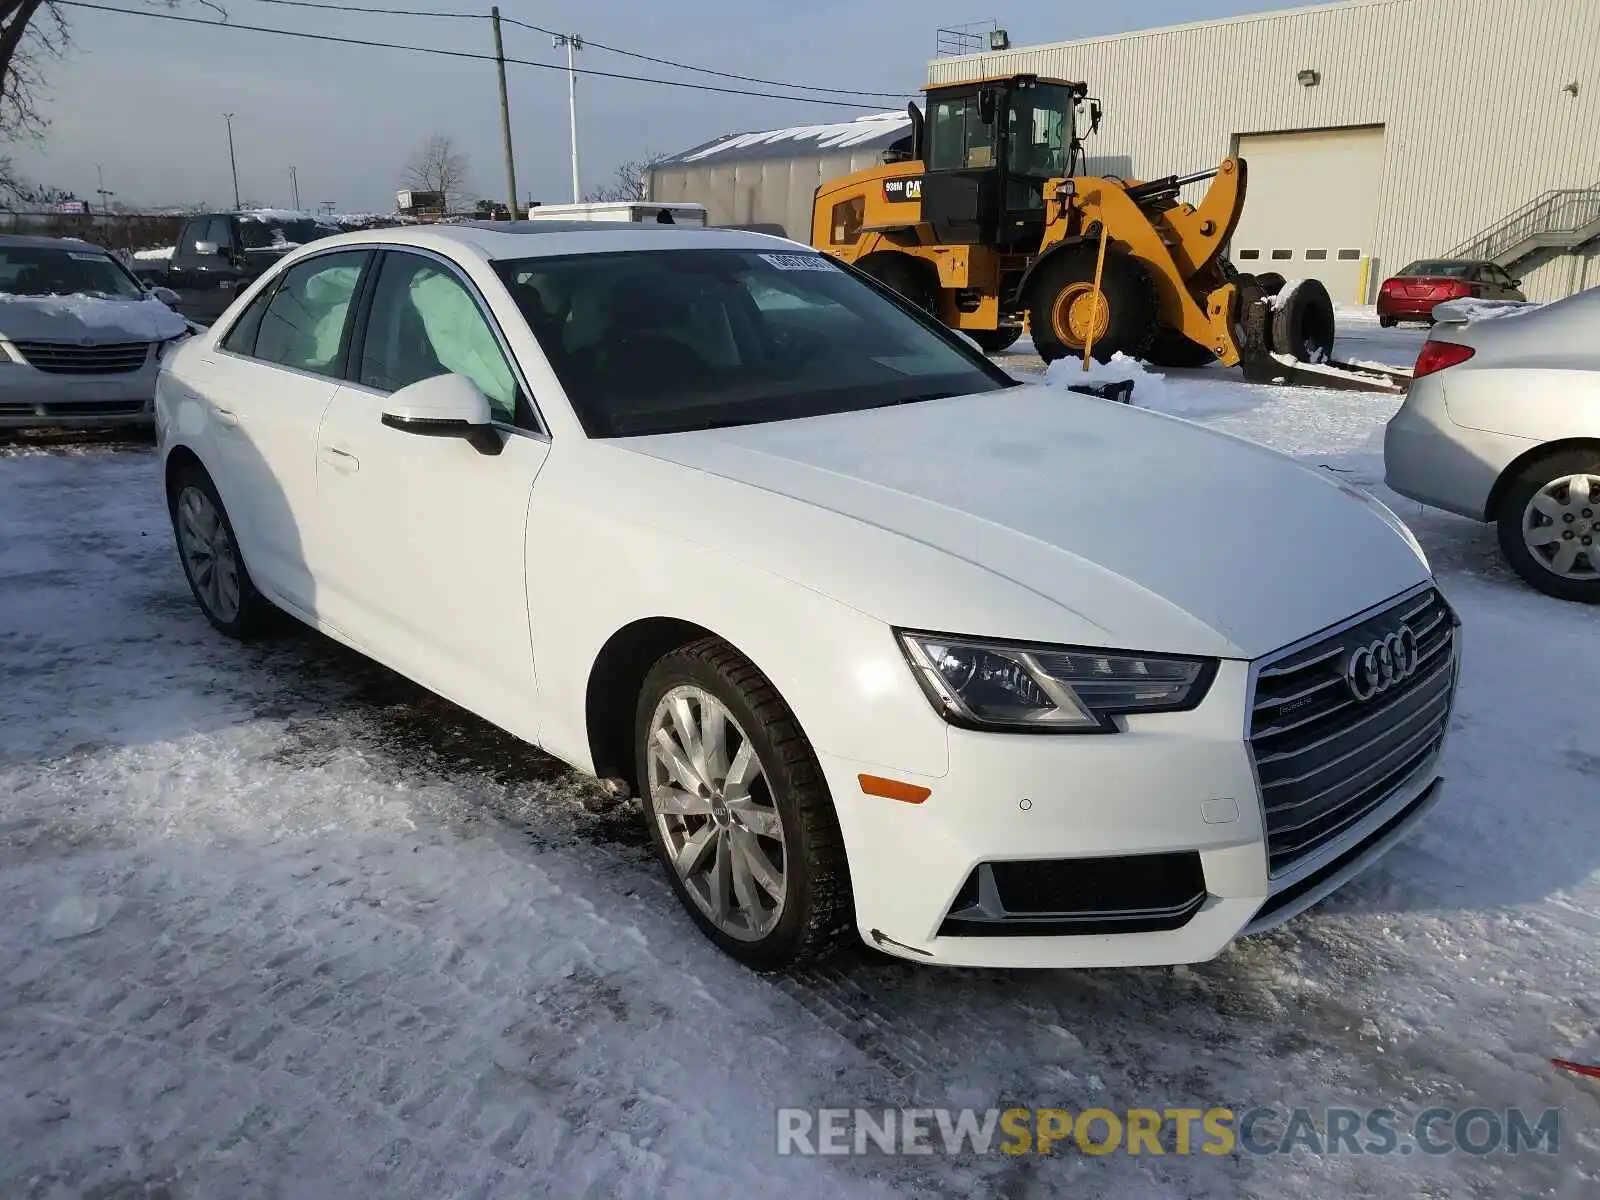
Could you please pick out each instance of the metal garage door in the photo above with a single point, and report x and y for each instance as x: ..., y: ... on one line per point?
x: 1312, y: 205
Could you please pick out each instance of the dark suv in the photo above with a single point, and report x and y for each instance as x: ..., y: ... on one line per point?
x: 219, y: 253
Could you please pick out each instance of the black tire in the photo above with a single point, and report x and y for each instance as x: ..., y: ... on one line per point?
x: 254, y: 614
x: 1386, y: 322
x: 1303, y: 327
x: 1271, y: 283
x: 818, y: 911
x: 1169, y: 348
x: 995, y: 341
x: 1531, y: 480
x: 1130, y: 296
x: 905, y: 275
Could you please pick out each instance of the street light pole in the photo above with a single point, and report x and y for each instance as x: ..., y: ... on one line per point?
x: 572, y: 41
x: 101, y: 190
x: 232, y: 161
x: 294, y: 186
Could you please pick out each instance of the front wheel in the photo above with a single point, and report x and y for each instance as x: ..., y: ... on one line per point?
x: 737, y: 808
x: 1386, y: 322
x: 1549, y: 525
x: 1065, y: 312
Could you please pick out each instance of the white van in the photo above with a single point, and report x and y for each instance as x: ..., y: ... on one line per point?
x: 648, y: 212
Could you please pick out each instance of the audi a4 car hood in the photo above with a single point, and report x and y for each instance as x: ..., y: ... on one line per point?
x: 1134, y: 521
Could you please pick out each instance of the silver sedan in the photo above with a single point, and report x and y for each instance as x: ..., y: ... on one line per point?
x: 80, y: 337
x: 1502, y: 424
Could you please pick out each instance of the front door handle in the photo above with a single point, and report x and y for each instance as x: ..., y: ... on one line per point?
x: 341, y: 460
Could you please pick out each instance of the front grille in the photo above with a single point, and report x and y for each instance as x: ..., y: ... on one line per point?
x: 65, y: 358
x: 1325, y: 759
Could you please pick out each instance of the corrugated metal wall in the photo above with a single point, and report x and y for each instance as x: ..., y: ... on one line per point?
x: 766, y: 190
x: 1470, y: 92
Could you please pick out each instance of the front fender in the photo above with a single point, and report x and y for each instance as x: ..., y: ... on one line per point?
x: 840, y: 670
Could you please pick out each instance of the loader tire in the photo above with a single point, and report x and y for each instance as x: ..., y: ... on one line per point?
x: 1062, y: 306
x: 1169, y: 348
x: 904, y: 275
x: 993, y: 341
x: 1303, y: 326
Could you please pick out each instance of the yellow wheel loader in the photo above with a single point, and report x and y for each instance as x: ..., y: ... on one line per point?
x: 992, y: 225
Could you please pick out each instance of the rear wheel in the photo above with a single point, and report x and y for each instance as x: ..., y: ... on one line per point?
x: 1065, y: 311
x: 905, y: 275
x: 1549, y: 525
x: 1169, y: 348
x: 993, y: 341
x: 737, y: 808
x: 210, y: 554
x: 1386, y: 322
x: 1302, y: 322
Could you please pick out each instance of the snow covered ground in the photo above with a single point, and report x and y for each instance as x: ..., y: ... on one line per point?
x: 278, y: 923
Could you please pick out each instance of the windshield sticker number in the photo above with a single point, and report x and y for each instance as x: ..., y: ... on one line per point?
x: 799, y: 262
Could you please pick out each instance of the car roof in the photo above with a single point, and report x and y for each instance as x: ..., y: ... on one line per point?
x: 494, y: 241
x: 48, y: 243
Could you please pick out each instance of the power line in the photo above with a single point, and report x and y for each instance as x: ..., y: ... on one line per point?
x: 663, y: 62
x: 468, y: 54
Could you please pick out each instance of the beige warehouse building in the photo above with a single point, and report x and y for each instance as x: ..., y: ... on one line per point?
x: 1376, y: 131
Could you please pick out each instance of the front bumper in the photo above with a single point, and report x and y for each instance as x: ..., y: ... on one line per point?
x: 35, y: 399
x: 1165, y: 792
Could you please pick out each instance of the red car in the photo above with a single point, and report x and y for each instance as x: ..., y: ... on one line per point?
x: 1411, y: 294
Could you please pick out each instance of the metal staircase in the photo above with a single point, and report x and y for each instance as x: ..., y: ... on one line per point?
x: 1560, y: 219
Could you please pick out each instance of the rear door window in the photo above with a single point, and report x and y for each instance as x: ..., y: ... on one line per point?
x: 306, y: 323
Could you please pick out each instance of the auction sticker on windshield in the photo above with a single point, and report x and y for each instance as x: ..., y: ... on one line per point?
x: 799, y: 262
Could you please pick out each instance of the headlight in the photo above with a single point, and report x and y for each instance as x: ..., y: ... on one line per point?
x: 1049, y: 689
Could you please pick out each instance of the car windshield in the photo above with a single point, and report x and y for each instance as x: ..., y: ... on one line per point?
x: 1452, y: 270
x: 661, y: 341
x: 64, y: 271
x: 256, y: 234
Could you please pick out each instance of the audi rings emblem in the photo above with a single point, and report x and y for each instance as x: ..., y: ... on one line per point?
x: 1377, y: 668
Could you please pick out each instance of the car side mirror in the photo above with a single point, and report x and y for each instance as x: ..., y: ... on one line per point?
x: 206, y: 249
x: 1516, y: 283
x: 444, y: 406
x: 166, y: 295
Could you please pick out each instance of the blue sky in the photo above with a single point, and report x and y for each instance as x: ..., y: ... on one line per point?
x: 145, y: 97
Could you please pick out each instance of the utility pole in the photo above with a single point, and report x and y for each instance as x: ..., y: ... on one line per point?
x: 232, y: 161
x: 294, y: 187
x: 572, y: 42
x: 505, y: 117
x: 102, y: 191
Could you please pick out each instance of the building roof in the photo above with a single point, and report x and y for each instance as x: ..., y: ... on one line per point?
x: 874, y: 132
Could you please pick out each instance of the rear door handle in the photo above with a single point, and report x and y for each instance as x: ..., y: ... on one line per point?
x: 226, y: 418
x: 340, y: 460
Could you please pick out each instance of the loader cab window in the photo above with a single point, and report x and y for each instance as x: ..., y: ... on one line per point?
x: 958, y: 137
x: 1039, y: 132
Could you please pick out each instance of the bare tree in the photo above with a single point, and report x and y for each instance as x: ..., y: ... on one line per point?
x: 437, y: 166
x: 631, y: 181
x: 32, y: 33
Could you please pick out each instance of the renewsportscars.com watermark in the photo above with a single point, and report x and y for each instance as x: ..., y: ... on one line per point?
x: 1180, y: 1131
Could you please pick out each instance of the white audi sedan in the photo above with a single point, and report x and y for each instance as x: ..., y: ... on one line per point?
x: 881, y: 639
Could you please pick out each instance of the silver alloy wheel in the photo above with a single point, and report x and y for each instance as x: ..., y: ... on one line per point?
x: 208, y: 554
x: 1561, y: 527
x: 714, y: 807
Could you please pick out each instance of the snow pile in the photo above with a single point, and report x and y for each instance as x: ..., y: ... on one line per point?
x: 1149, y: 389
x: 146, y: 319
x: 1461, y: 312
x: 1355, y: 314
x: 161, y: 254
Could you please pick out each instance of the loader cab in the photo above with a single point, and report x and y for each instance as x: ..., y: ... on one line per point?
x: 990, y: 147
